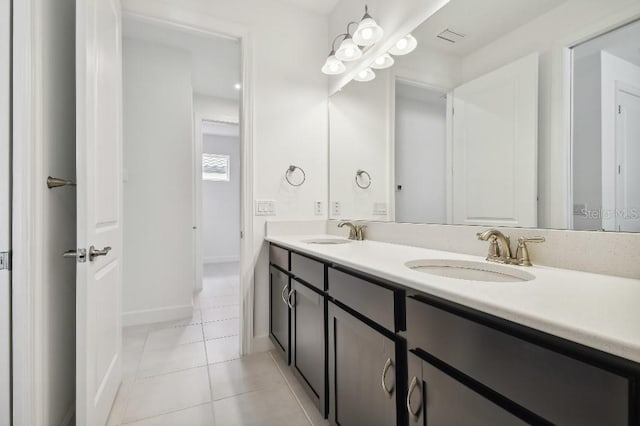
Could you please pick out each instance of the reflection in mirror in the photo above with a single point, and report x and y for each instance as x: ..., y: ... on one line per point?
x: 606, y: 132
x: 474, y: 128
x: 420, y: 154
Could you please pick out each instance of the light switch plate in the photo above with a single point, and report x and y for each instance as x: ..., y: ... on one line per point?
x: 318, y: 208
x: 336, y: 208
x: 265, y: 208
x: 380, y: 209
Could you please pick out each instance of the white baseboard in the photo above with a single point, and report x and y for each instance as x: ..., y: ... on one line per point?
x: 150, y: 316
x: 261, y: 344
x: 221, y: 259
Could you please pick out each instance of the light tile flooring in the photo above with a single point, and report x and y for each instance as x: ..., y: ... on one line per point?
x: 189, y: 372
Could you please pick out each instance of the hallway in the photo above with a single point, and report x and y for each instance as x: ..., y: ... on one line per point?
x: 189, y: 372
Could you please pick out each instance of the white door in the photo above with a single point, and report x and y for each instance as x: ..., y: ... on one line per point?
x: 5, y: 215
x: 99, y: 211
x: 495, y: 126
x: 628, y: 157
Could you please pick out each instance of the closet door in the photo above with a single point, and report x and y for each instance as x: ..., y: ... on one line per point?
x: 495, y: 147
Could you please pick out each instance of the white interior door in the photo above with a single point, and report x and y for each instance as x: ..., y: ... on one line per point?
x: 5, y: 214
x: 99, y: 195
x: 495, y: 145
x: 628, y: 157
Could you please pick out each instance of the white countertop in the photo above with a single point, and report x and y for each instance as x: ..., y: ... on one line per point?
x: 599, y: 311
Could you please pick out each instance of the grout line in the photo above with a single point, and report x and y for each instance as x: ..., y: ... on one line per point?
x: 295, y: 395
x: 165, y: 414
x: 206, y: 354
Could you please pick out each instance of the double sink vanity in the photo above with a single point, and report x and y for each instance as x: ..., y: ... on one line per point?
x: 387, y: 334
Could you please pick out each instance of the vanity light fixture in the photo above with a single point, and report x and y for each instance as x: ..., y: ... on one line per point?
x: 383, y: 61
x: 366, y: 74
x: 333, y: 66
x: 368, y: 31
x: 405, y: 45
x: 348, y: 50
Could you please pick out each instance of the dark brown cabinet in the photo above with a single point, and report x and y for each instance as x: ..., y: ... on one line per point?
x: 370, y: 352
x: 308, y: 340
x: 435, y: 398
x: 279, y: 312
x: 362, y: 372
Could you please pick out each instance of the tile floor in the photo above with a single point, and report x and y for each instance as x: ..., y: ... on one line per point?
x: 189, y: 372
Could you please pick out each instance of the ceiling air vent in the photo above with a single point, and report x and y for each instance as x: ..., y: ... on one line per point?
x: 451, y: 36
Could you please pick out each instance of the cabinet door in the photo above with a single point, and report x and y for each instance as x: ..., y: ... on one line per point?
x: 362, y: 373
x: 307, y: 340
x: 279, y: 318
x: 435, y: 398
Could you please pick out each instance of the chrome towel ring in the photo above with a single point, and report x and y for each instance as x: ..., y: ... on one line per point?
x: 359, y: 174
x: 290, y: 171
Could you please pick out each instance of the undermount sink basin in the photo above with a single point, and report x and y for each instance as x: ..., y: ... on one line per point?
x: 470, y: 270
x: 327, y: 241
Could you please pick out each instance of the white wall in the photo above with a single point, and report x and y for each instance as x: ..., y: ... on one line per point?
x: 5, y: 212
x: 286, y: 51
x: 158, y: 269
x: 614, y: 71
x: 420, y: 158
x: 359, y: 138
x: 221, y: 204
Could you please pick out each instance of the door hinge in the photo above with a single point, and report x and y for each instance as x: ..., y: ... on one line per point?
x: 5, y: 261
x: 619, y: 109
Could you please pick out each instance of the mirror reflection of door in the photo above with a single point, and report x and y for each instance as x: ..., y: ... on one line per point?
x: 606, y: 132
x: 420, y: 154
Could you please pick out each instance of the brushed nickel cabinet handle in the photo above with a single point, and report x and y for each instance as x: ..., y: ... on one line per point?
x: 414, y: 414
x: 289, y: 302
x: 387, y: 365
x: 282, y: 295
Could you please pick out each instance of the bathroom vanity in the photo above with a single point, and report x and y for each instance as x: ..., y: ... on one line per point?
x: 377, y: 342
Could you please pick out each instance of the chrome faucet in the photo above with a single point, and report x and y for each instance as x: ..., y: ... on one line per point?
x: 500, y: 247
x: 356, y: 232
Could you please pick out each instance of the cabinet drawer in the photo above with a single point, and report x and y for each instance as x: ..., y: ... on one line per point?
x: 279, y: 256
x: 558, y: 388
x: 369, y: 299
x: 308, y: 270
x: 445, y: 401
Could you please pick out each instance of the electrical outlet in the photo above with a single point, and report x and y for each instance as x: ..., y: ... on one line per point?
x: 265, y: 208
x: 318, y: 208
x: 336, y: 208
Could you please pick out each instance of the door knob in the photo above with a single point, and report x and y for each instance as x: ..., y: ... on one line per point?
x: 93, y: 252
x: 80, y: 255
x: 53, y: 182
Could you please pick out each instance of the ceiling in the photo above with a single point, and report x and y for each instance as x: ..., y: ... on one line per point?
x: 480, y: 21
x: 323, y: 7
x: 623, y: 43
x: 215, y: 61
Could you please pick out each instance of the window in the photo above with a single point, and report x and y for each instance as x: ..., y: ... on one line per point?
x: 215, y: 167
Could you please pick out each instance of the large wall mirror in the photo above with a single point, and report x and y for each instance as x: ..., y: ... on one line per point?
x: 508, y: 113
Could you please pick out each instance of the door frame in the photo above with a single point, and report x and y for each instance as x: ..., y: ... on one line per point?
x: 619, y: 148
x: 178, y: 18
x: 28, y: 188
